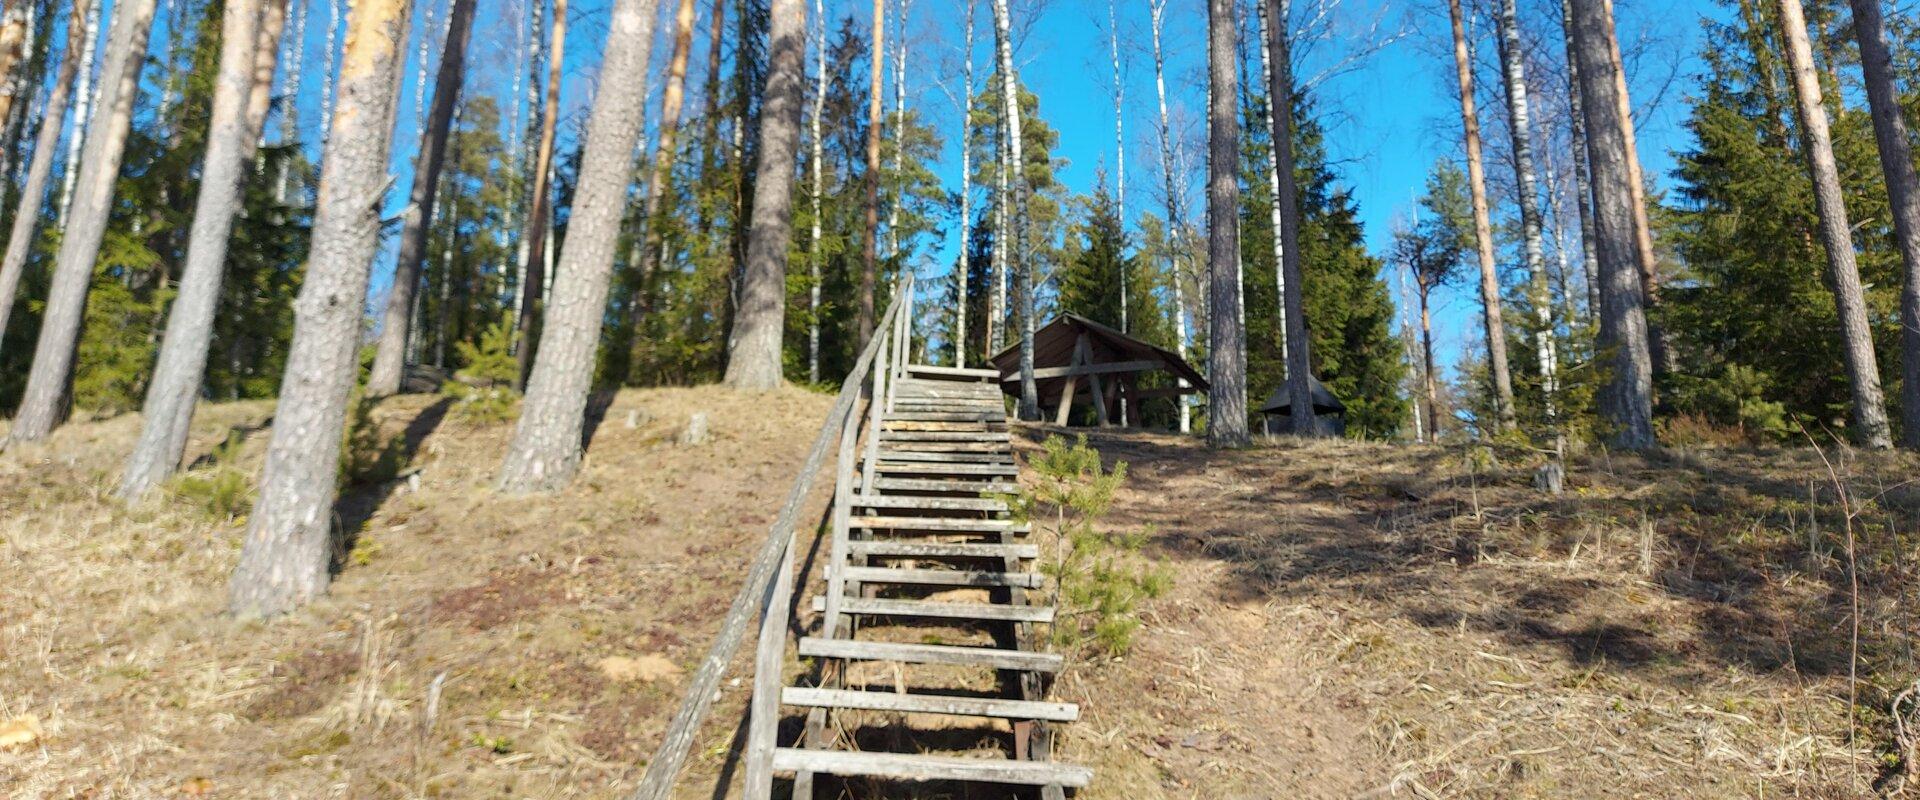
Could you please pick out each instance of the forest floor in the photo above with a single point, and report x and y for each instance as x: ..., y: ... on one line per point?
x: 1344, y: 619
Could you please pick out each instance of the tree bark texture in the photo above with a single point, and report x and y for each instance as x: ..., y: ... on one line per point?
x: 1582, y: 174
x: 1227, y: 345
x: 1903, y: 195
x: 647, y: 250
x: 1298, y: 348
x: 539, y: 208
x: 33, y: 193
x: 284, y: 561
x: 545, y: 452
x: 758, y: 328
x: 1836, y: 235
x: 390, y: 358
x: 1496, y: 330
x: 1519, y: 116
x: 870, y: 223
x: 44, y: 403
x: 1626, y: 401
x: 1170, y: 188
x: 1016, y: 209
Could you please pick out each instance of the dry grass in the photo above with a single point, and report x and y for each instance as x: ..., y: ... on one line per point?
x: 472, y: 646
x: 1346, y: 620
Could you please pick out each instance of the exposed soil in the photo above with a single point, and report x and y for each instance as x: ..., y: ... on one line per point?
x: 1345, y: 620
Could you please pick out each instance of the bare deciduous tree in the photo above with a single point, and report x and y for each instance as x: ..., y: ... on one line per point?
x: 1519, y: 116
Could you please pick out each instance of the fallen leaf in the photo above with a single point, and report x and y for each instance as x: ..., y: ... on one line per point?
x: 197, y: 787
x: 646, y: 669
x: 20, y: 730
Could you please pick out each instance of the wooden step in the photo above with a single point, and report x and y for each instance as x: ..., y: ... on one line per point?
x: 993, y: 657
x: 954, y: 372
x: 939, y: 407
x: 944, y: 577
x: 938, y: 524
x: 896, y: 766
x: 930, y: 704
x: 994, y: 415
x: 947, y: 468
x: 881, y: 548
x: 889, y: 435
x: 929, y: 503
x: 1001, y: 447
x: 892, y: 454
x: 953, y: 486
x: 988, y: 612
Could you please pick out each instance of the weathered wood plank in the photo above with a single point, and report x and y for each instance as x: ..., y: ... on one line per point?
x: 897, y: 766
x: 938, y: 524
x: 938, y: 468
x: 993, y: 657
x: 930, y: 503
x: 1089, y: 369
x: 986, y: 612
x: 890, y: 454
x: 955, y: 486
x: 930, y: 704
x: 898, y: 549
x: 947, y: 577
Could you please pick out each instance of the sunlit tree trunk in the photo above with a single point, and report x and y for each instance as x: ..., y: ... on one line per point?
x: 249, y: 43
x: 44, y: 402
x: 900, y: 8
x: 1626, y: 401
x: 13, y: 43
x: 818, y: 188
x: 966, y: 194
x: 284, y: 560
x: 1277, y: 217
x: 1226, y: 342
x: 1016, y: 209
x: 870, y: 223
x: 1582, y: 173
x: 83, y: 102
x: 1836, y: 235
x: 762, y: 320
x: 1519, y: 117
x: 389, y: 359
x: 1277, y: 50
x: 646, y: 250
x: 33, y: 193
x: 545, y: 452
x: 1647, y: 261
x: 1119, y: 153
x: 1496, y: 330
x: 1171, y: 188
x: 1903, y: 196
x: 539, y: 214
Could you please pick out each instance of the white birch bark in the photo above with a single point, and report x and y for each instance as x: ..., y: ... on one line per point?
x: 1519, y: 116
x: 1158, y: 9
x: 1022, y: 270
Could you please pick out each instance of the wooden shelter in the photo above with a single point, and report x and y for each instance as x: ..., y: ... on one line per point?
x: 1329, y: 414
x: 1078, y: 360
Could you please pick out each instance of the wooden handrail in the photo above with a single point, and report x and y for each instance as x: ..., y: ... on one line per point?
x: 664, y: 768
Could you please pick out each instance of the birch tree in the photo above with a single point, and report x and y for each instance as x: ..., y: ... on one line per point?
x: 233, y: 133
x: 83, y: 102
x: 1496, y: 331
x: 1519, y: 119
x: 1170, y: 187
x: 43, y: 405
x: 545, y: 452
x: 1836, y: 234
x: 1626, y: 401
x: 390, y: 357
x: 1226, y: 341
x: 283, y: 563
x: 816, y: 179
x: 758, y: 327
x: 539, y: 207
x: 1015, y: 243
x: 33, y: 192
x: 1903, y: 196
x: 1119, y: 147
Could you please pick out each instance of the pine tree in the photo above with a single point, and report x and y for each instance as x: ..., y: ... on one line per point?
x: 755, y: 359
x: 27, y: 211
x: 1227, y: 346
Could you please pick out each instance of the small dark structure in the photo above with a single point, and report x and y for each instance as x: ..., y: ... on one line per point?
x: 1329, y: 414
x: 1077, y: 359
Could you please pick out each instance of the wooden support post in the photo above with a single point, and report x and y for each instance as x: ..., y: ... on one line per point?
x: 770, y: 654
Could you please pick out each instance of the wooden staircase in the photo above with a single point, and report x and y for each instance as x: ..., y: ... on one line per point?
x: 927, y: 589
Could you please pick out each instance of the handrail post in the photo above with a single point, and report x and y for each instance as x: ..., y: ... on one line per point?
x: 769, y: 657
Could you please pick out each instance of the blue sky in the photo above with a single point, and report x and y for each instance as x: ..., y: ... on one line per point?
x: 1388, y: 116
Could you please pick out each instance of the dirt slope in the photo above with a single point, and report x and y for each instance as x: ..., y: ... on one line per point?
x: 1346, y: 620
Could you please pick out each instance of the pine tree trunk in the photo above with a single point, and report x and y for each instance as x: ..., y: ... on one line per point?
x: 33, y: 194
x: 1626, y: 401
x: 1171, y: 189
x: 284, y: 561
x: 1582, y: 173
x: 44, y: 403
x: 1226, y: 342
x: 755, y: 360
x: 545, y: 452
x: 13, y: 43
x: 239, y: 108
x: 646, y: 251
x: 1863, y: 370
x: 1016, y: 210
x: 870, y: 223
x: 1496, y: 330
x: 1539, y: 295
x: 1647, y: 262
x: 818, y: 196
x: 1298, y: 351
x: 540, y: 209
x: 389, y: 359
x: 1903, y: 196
